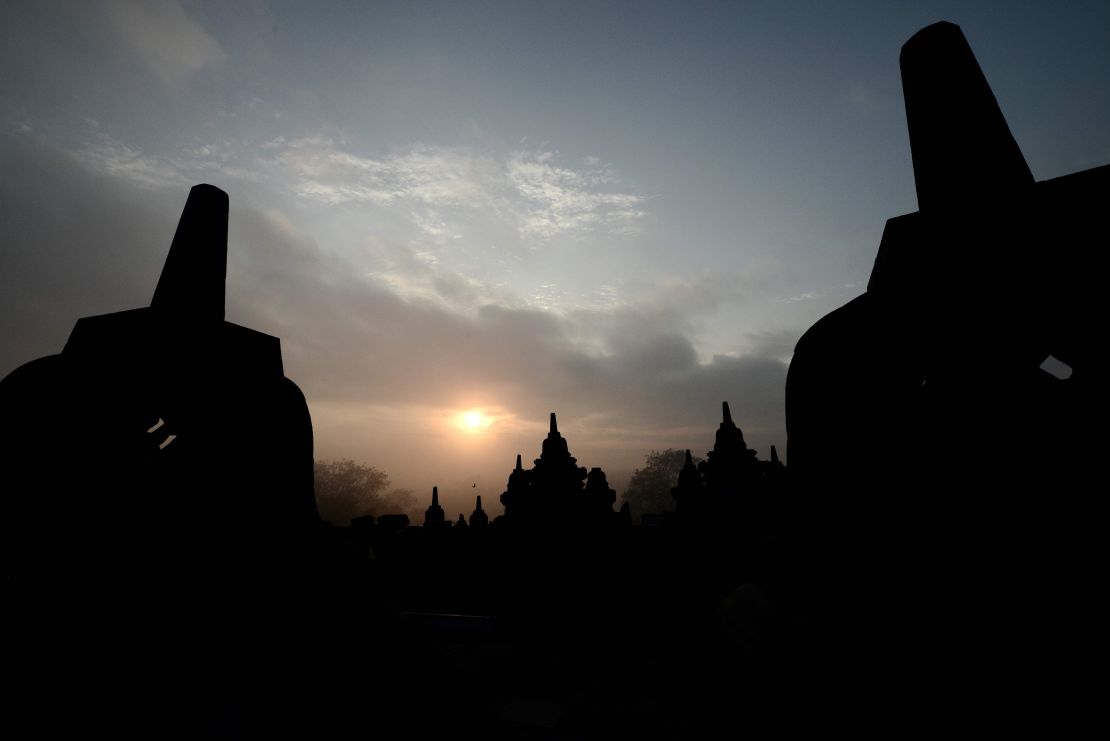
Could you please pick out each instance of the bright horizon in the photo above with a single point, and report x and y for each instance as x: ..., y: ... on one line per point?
x: 460, y: 218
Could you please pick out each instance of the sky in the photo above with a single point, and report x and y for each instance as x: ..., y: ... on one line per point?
x: 622, y: 212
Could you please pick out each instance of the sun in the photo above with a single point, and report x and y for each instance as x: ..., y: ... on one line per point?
x: 473, y: 420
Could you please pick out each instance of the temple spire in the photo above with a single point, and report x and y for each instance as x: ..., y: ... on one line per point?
x: 478, y: 518
x: 434, y: 515
x: 688, y: 491
x: 518, y: 466
x: 555, y: 444
x: 729, y: 440
x: 191, y: 286
x: 962, y: 148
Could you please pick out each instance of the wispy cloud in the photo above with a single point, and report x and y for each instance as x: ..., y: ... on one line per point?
x: 807, y: 296
x: 185, y: 166
x: 438, y: 190
x: 322, y: 171
x: 111, y: 156
x: 560, y: 199
x: 527, y: 188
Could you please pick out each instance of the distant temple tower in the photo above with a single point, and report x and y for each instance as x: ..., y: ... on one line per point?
x: 732, y: 488
x: 557, y: 492
x: 478, y: 518
x: 774, y: 470
x: 730, y: 466
x: 554, y: 445
x: 689, y: 492
x: 433, y: 516
x: 556, y: 471
x: 516, y: 491
x: 598, y: 498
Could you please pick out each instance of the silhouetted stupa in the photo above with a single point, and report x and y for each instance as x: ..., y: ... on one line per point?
x: 968, y: 297
x: 730, y: 467
x: 434, y: 516
x: 514, y: 500
x: 598, y: 498
x: 478, y: 518
x: 159, y: 481
x: 186, y: 418
x: 554, y: 494
x: 689, y: 493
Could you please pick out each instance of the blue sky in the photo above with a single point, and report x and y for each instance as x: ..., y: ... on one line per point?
x: 622, y: 212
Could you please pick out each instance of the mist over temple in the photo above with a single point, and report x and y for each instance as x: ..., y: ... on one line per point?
x: 168, y: 571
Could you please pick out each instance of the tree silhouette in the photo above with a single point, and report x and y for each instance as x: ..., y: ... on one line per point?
x: 649, y: 489
x: 345, y: 489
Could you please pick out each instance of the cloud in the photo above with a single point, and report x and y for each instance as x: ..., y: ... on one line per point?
x: 115, y: 158
x: 442, y: 192
x: 385, y: 369
x: 188, y: 164
x: 173, y: 45
x: 807, y: 296
x: 560, y: 199
x: 632, y: 380
x: 526, y: 188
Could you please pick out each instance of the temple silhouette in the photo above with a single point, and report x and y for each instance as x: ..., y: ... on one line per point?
x: 556, y: 492
x: 968, y: 297
x: 168, y: 574
x: 164, y: 396
x: 161, y: 535
x: 434, y: 516
x: 731, y: 481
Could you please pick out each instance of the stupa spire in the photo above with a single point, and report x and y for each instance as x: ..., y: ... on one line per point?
x: 434, y: 515
x: 961, y: 146
x: 191, y: 286
x: 478, y: 518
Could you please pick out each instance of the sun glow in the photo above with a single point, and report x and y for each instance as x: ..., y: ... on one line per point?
x: 473, y: 420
